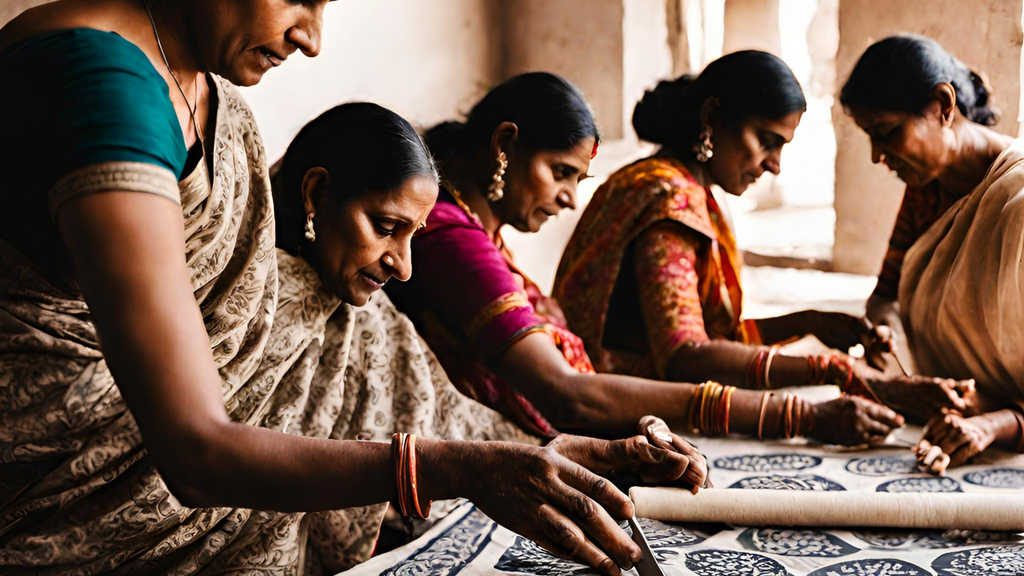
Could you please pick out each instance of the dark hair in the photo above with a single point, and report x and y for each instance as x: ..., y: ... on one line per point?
x: 549, y: 111
x: 364, y: 148
x: 900, y: 74
x: 749, y: 83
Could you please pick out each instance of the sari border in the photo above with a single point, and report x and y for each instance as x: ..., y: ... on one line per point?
x: 114, y: 177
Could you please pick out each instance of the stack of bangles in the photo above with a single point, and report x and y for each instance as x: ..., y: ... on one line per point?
x: 790, y: 419
x: 403, y: 453
x: 759, y: 369
x: 709, y: 408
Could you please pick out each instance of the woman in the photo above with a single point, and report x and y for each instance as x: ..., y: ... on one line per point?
x: 870, y: 98
x: 651, y: 277
x: 959, y: 299
x: 517, y: 160
x: 155, y: 371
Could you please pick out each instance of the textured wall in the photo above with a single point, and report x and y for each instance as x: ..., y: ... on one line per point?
x: 752, y: 25
x: 581, y: 40
x: 985, y: 34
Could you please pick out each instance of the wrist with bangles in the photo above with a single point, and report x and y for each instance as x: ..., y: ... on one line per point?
x: 403, y: 454
x: 710, y: 409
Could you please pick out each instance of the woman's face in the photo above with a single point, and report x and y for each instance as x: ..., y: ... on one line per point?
x: 541, y: 183
x: 911, y: 145
x: 745, y: 151
x: 366, y: 242
x: 243, y: 39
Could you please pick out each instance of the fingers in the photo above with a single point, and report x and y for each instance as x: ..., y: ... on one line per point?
x: 564, y: 538
x: 881, y: 414
x: 591, y: 501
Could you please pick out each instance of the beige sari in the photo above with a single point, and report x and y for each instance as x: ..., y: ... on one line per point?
x: 962, y: 285
x: 77, y: 492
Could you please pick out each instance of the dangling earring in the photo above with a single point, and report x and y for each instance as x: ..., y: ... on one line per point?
x: 703, y: 149
x: 497, y: 186
x: 310, y: 232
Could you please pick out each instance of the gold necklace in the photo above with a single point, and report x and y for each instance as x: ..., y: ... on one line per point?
x: 191, y: 109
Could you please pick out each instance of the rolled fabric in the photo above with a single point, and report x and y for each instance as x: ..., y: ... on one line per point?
x: 943, y: 511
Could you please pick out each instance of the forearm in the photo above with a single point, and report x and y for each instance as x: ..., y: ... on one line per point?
x: 729, y: 363
x: 780, y: 328
x: 1004, y: 426
x: 242, y: 466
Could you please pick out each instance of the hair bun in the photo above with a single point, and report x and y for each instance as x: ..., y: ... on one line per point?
x: 445, y: 139
x: 653, y: 115
x: 980, y: 112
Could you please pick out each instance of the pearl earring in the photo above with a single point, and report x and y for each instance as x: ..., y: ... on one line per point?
x: 310, y: 231
x: 497, y: 186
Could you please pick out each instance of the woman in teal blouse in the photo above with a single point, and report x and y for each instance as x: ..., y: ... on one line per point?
x: 146, y: 372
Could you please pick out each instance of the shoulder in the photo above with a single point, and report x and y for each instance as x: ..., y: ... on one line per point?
x: 657, y: 172
x: 98, y: 93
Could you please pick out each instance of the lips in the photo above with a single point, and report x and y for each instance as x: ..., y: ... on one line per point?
x: 372, y: 281
x: 270, y: 58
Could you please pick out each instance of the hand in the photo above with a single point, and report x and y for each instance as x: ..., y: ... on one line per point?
x: 838, y: 330
x: 875, y: 348
x: 950, y: 440
x: 657, y: 456
x: 851, y: 420
x: 544, y: 496
x: 922, y: 397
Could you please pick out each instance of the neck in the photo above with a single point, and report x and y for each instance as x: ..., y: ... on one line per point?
x: 170, y: 19
x: 975, y: 148
x: 699, y: 170
x: 464, y: 176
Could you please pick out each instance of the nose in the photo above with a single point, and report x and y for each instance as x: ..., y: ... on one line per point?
x: 567, y: 198
x: 773, y: 163
x: 399, y: 262
x: 877, y: 156
x: 306, y: 36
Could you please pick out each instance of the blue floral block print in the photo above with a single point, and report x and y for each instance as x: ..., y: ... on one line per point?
x: 795, y: 542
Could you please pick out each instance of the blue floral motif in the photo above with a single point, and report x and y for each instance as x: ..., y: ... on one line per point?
x: 731, y: 563
x: 872, y: 567
x: 907, y: 539
x: 882, y: 465
x: 767, y: 462
x: 930, y: 484
x: 997, y: 478
x: 780, y: 482
x: 452, y: 550
x: 996, y: 561
x: 526, y: 557
x: 795, y: 542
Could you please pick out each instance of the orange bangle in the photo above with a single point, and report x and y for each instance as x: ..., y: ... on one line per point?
x: 725, y: 412
x: 764, y: 408
x: 414, y: 492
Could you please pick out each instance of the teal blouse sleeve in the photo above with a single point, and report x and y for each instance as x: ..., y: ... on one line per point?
x: 94, y: 97
x: 74, y: 99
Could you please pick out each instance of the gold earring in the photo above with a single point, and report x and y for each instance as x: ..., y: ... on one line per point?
x: 704, y: 149
x: 310, y: 231
x: 497, y: 186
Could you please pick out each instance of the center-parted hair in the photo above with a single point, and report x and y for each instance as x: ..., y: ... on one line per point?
x: 900, y: 74
x: 549, y: 111
x: 747, y: 84
x: 364, y: 147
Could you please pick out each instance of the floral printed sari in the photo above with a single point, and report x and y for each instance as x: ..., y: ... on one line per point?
x: 652, y: 266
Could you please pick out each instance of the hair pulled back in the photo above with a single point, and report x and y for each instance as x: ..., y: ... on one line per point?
x: 549, y: 111
x: 900, y: 74
x: 365, y: 148
x: 749, y: 83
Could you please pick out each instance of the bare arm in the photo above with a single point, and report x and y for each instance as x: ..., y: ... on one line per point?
x: 127, y: 250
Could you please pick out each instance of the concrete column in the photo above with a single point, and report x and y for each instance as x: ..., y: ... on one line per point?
x: 984, y: 34
x: 752, y: 24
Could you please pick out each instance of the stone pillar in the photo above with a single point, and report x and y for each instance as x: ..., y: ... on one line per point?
x: 984, y: 34
x: 752, y: 25
x: 581, y: 40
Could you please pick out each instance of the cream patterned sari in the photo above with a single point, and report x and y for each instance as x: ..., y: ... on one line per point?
x: 77, y: 492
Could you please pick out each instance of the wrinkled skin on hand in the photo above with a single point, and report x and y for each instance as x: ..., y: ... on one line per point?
x: 950, y: 440
x: 851, y: 420
x: 554, y: 495
x: 920, y: 397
